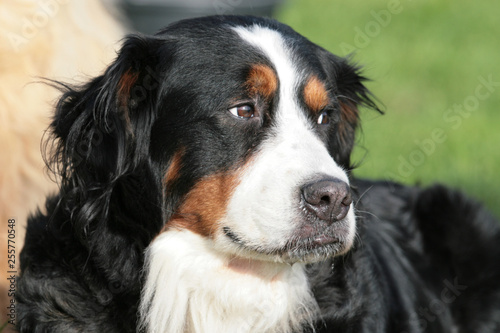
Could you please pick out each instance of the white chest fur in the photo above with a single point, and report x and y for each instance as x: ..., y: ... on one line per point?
x: 190, y: 287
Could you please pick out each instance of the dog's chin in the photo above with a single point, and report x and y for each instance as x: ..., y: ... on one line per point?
x: 307, y: 244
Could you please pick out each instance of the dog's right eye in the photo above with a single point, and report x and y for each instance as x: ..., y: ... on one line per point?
x: 243, y: 111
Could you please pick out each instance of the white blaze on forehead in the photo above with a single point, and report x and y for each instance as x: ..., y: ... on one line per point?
x: 264, y: 209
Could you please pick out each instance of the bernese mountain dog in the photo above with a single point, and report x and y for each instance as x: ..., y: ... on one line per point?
x: 206, y: 187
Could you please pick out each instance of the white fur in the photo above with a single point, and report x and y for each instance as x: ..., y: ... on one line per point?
x: 191, y: 287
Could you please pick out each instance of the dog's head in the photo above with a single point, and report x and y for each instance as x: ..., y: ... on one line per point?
x: 237, y: 128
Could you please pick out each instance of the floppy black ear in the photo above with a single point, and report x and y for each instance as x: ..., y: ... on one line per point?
x: 101, y: 132
x: 110, y: 197
x: 352, y: 94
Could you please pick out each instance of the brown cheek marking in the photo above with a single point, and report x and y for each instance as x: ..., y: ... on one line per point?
x: 315, y: 94
x: 204, y: 205
x: 262, y: 81
x: 348, y: 120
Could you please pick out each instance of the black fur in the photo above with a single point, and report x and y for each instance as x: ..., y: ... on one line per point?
x: 425, y: 260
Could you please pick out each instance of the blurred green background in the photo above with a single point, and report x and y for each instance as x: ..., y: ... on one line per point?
x: 430, y: 64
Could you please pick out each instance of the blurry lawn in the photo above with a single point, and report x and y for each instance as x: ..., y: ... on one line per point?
x: 428, y: 61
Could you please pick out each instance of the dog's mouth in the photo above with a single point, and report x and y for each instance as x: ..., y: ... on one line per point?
x: 308, y: 244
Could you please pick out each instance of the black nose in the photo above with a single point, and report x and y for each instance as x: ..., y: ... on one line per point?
x: 329, y: 200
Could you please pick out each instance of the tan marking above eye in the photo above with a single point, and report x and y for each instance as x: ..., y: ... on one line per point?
x: 315, y: 94
x: 262, y: 81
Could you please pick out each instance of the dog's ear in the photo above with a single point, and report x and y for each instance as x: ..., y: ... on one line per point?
x: 351, y: 94
x: 101, y: 130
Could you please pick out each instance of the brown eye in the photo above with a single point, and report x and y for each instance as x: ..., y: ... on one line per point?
x: 243, y: 111
x: 323, y: 118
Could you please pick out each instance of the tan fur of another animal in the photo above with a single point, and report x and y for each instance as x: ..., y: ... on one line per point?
x: 69, y: 41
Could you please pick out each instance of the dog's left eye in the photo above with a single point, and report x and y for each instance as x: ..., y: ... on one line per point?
x: 324, y: 118
x: 243, y: 111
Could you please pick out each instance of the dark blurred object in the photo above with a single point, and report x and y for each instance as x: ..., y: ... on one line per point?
x: 148, y: 16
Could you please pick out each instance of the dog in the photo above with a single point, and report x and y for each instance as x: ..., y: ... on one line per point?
x: 206, y: 187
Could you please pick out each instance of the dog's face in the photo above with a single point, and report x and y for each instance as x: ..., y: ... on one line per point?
x: 248, y: 127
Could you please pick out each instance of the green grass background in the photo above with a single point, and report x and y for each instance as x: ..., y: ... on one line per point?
x: 427, y: 59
